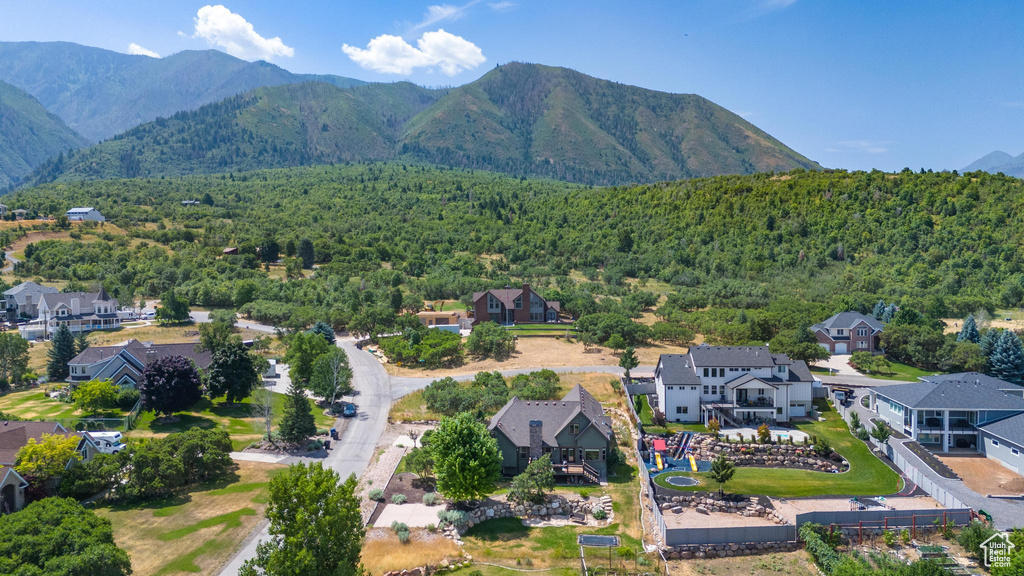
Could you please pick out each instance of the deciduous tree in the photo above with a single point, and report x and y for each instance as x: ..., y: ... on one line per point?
x: 48, y: 457
x: 13, y: 357
x: 489, y: 340
x: 96, y: 395
x: 170, y: 384
x: 722, y: 470
x: 173, y: 309
x: 534, y: 483
x: 303, y: 349
x: 232, y: 373
x: 628, y: 361
x: 467, y: 462
x: 332, y: 375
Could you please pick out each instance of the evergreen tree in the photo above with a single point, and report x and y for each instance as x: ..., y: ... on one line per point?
x: 969, y: 331
x: 81, y: 343
x: 323, y: 329
x: 306, y: 252
x: 988, y: 341
x: 628, y: 361
x: 1007, y: 358
x: 879, y: 310
x: 890, y: 311
x: 62, y: 350
x: 298, y: 423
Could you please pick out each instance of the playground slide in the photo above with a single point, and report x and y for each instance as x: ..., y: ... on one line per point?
x: 683, y: 441
x: 693, y: 463
x: 657, y: 460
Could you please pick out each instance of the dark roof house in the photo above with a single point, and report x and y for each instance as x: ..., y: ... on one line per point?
x: 513, y: 306
x: 849, y: 332
x: 124, y: 363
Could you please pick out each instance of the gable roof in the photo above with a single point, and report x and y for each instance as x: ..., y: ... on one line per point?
x: 676, y: 369
x: 81, y: 210
x: 1010, y: 429
x: 732, y: 356
x: 513, y: 420
x: 507, y: 296
x: 962, y: 391
x: 15, y: 435
x: 57, y: 299
x: 144, y: 353
x: 848, y: 320
x: 28, y: 288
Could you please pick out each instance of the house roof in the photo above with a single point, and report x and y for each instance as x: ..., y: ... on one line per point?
x: 507, y: 296
x: 81, y: 210
x: 54, y: 300
x: 676, y: 369
x: 1010, y: 429
x: 848, y: 320
x: 732, y: 356
x: 15, y: 435
x: 748, y: 377
x: 514, y: 418
x: 28, y: 288
x: 963, y: 391
x: 144, y: 352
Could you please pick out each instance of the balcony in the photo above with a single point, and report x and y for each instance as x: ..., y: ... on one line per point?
x: 759, y: 402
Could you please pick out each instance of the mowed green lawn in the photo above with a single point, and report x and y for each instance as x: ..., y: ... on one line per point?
x: 867, y: 476
x: 647, y: 416
x: 34, y: 404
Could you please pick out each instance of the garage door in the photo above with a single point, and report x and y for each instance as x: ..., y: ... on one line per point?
x: 841, y: 348
x: 797, y: 411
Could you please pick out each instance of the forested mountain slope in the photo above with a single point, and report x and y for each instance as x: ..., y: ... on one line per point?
x: 521, y: 119
x: 942, y: 243
x: 29, y: 135
x: 100, y: 93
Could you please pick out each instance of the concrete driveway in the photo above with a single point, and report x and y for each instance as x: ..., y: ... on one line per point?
x: 839, y: 365
x: 413, y: 515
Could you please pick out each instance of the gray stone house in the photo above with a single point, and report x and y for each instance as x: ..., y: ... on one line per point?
x: 575, y: 431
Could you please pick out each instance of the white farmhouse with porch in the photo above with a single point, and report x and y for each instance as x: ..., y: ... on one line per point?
x: 738, y: 385
x: 79, y: 311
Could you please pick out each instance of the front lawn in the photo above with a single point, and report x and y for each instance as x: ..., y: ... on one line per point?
x: 900, y: 371
x: 34, y: 404
x: 196, y: 532
x: 867, y: 476
x: 237, y: 419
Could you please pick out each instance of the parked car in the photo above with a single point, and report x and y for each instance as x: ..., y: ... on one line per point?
x: 107, y: 442
x: 349, y: 410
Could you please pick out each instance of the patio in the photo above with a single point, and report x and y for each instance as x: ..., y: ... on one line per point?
x: 777, y: 433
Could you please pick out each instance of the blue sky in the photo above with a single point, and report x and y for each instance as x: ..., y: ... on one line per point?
x: 858, y: 84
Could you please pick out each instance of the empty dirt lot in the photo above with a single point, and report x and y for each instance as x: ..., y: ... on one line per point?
x: 985, y: 476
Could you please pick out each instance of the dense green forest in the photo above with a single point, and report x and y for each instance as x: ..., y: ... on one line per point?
x: 385, y: 237
x: 521, y: 119
x: 29, y: 135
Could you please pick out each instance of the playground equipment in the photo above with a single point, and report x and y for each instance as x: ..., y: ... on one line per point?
x: 659, y: 461
x: 693, y: 462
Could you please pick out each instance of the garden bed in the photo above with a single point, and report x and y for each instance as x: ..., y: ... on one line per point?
x: 412, y: 486
x: 931, y: 460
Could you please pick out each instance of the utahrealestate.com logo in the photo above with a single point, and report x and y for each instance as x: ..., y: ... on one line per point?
x: 998, y: 550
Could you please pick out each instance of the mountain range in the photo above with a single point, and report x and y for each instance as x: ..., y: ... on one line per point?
x: 207, y: 112
x: 29, y: 135
x: 998, y: 161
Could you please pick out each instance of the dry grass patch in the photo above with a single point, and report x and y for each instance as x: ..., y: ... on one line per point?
x: 197, y: 533
x: 382, y: 552
x: 796, y: 563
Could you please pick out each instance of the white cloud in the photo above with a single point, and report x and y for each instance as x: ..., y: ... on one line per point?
x: 390, y: 54
x: 862, y: 146
x: 137, y: 50
x: 230, y: 31
x: 441, y: 13
x: 502, y: 6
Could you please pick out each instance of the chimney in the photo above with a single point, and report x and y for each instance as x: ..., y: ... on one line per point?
x: 526, y: 288
x: 76, y: 307
x: 536, y: 439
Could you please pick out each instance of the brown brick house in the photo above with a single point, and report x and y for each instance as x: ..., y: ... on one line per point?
x: 849, y: 332
x: 513, y: 306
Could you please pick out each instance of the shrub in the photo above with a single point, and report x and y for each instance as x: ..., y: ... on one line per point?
x: 376, y: 494
x: 764, y: 434
x: 584, y: 493
x: 905, y: 537
x: 822, y: 448
x: 431, y: 527
x: 453, y: 517
x: 398, y: 498
x: 127, y: 398
x: 401, y: 530
x: 890, y: 538
x: 430, y: 498
x: 616, y: 384
x: 600, y: 514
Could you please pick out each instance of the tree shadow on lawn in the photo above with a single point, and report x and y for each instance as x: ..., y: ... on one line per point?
x: 499, y: 530
x: 182, y: 423
x: 179, y: 497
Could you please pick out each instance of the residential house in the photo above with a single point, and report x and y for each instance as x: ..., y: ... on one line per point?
x: 123, y: 363
x: 19, y: 213
x: 738, y: 385
x: 513, y: 306
x: 967, y: 411
x: 3, y: 210
x: 574, y: 430
x: 849, y: 332
x: 79, y: 311
x: 85, y: 213
x: 13, y: 437
x: 22, y: 301
x: 452, y: 320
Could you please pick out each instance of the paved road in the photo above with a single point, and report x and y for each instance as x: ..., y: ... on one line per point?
x: 11, y: 261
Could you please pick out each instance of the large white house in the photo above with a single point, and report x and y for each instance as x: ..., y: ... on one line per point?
x: 85, y: 213
x: 737, y: 384
x: 79, y: 311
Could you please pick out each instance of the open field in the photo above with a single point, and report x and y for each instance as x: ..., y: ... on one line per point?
x: 196, y: 532
x: 412, y: 407
x: 382, y: 551
x: 796, y: 563
x: 1009, y: 318
x: 547, y: 352
x: 867, y: 476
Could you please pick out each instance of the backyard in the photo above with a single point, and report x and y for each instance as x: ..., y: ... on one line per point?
x: 647, y: 419
x: 867, y: 476
x: 196, y: 532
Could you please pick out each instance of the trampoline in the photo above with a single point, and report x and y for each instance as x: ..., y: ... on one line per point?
x: 682, y: 481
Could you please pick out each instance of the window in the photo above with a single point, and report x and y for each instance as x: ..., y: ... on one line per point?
x: 840, y: 331
x: 862, y: 344
x: 671, y: 388
x: 524, y: 452
x: 705, y: 388
x: 604, y: 454
x: 686, y: 409
x: 591, y: 454
x: 574, y: 429
x: 705, y: 372
x: 733, y: 369
x: 518, y: 303
x: 782, y: 370
x: 693, y: 388
x: 862, y: 331
x: 995, y: 442
x: 679, y: 409
x: 714, y: 389
x: 1015, y: 452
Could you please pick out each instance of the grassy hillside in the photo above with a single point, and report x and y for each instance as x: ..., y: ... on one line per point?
x: 100, y: 93
x: 29, y: 135
x: 520, y: 119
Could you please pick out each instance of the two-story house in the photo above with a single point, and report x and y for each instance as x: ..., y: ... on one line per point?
x: 513, y: 306
x: 123, y: 363
x: 85, y: 213
x: 849, y: 332
x: 575, y: 431
x: 79, y: 311
x: 22, y: 301
x: 738, y: 385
